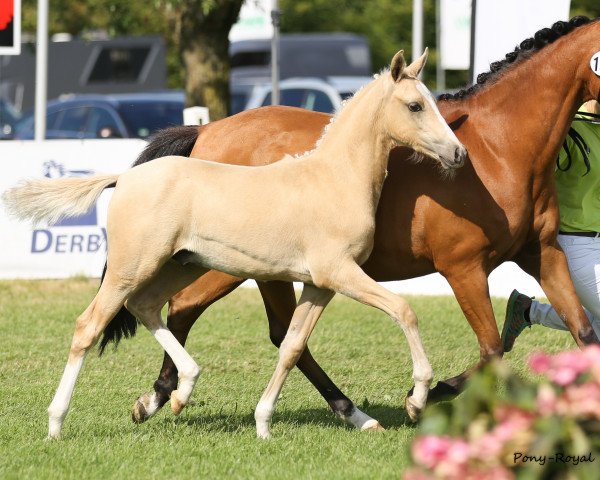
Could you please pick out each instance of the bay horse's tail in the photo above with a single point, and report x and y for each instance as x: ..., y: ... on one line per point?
x: 52, y: 199
x: 169, y: 141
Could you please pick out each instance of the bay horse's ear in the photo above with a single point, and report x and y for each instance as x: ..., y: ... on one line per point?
x: 414, y: 69
x: 397, y: 66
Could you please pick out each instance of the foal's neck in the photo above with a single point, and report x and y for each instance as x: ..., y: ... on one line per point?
x: 356, y: 145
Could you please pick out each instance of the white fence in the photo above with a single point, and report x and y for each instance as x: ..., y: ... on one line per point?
x: 78, y: 246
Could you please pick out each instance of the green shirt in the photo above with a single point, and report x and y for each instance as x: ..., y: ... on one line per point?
x: 579, y: 195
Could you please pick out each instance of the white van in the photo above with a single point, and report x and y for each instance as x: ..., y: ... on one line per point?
x: 310, y: 93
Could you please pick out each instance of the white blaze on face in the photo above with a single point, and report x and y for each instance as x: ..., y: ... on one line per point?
x: 429, y: 99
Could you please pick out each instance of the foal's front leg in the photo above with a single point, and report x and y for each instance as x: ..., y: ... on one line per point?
x: 310, y: 306
x: 353, y: 282
x: 280, y: 303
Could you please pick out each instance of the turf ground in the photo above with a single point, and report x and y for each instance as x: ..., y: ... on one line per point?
x: 360, y: 348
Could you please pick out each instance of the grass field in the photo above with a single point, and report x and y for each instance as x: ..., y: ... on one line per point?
x: 363, y: 352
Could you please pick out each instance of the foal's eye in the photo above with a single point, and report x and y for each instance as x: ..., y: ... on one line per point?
x: 415, y: 107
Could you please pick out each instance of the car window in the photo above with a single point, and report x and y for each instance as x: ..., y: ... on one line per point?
x: 72, y: 120
x: 51, y: 119
x: 308, y: 98
x: 101, y: 119
x: 144, y: 118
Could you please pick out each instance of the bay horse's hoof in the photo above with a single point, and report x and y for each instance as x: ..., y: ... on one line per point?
x: 372, y: 426
x: 176, y: 405
x: 414, y: 412
x: 442, y: 392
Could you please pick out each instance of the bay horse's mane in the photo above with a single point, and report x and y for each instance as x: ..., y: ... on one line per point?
x: 523, y: 51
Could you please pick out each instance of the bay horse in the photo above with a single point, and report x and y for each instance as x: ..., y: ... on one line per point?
x: 173, y: 219
x: 501, y: 206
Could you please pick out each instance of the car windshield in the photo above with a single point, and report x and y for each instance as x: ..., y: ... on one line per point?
x: 144, y: 118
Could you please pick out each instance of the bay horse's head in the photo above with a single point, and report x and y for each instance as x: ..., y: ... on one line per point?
x: 413, y: 119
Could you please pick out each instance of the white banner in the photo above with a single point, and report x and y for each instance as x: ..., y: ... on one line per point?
x: 254, y: 21
x: 501, y: 26
x: 455, y: 34
x: 76, y: 246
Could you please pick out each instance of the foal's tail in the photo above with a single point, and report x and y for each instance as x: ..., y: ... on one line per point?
x: 169, y: 141
x: 52, y: 199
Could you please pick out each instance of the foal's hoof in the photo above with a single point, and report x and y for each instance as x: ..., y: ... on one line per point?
x: 176, y: 405
x: 372, y: 426
x: 414, y: 412
x: 139, y: 413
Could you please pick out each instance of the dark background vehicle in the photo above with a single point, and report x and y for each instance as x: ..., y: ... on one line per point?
x: 107, y: 66
x: 8, y: 119
x: 315, y: 55
x: 107, y: 116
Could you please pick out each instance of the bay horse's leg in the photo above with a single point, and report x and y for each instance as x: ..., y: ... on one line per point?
x: 472, y: 293
x: 353, y: 282
x: 310, y: 306
x: 280, y: 302
x: 88, y: 328
x: 549, y: 267
x: 184, y: 309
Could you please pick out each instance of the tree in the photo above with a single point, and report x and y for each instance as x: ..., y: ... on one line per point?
x: 204, y: 50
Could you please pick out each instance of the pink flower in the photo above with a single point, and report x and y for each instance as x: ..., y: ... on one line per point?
x: 539, y: 362
x: 417, y: 474
x: 563, y: 368
x: 592, y: 352
x: 446, y: 457
x: 546, y: 400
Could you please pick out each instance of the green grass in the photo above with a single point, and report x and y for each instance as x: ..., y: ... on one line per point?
x: 363, y: 352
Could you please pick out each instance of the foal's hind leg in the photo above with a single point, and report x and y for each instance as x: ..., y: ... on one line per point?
x: 89, y: 327
x: 280, y: 303
x: 146, y: 304
x: 184, y: 309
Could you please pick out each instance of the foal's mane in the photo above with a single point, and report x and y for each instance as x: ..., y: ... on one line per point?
x: 338, y: 111
x: 523, y: 51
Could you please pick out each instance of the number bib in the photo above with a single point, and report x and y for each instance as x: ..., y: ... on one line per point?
x: 595, y: 63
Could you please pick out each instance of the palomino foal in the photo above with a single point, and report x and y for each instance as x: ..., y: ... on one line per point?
x: 190, y: 216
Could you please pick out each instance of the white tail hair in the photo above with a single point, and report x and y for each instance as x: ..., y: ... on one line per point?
x: 56, y: 198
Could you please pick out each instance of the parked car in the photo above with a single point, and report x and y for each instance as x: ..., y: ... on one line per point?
x: 107, y: 116
x: 9, y: 117
x: 306, y: 55
x: 310, y: 93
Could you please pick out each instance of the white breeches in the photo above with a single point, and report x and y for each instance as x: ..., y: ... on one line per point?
x: 583, y: 256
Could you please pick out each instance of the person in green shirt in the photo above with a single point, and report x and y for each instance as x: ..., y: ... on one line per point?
x: 578, y: 189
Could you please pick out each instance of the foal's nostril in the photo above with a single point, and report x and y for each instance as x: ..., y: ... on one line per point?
x: 459, y: 155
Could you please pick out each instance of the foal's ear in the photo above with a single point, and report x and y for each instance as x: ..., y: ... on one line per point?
x: 397, y: 66
x: 414, y: 69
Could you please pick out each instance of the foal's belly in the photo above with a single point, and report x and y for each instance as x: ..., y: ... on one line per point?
x: 260, y: 264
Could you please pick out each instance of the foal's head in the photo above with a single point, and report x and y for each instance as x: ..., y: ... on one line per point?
x: 411, y: 116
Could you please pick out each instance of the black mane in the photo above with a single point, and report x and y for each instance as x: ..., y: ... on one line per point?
x: 524, y: 50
